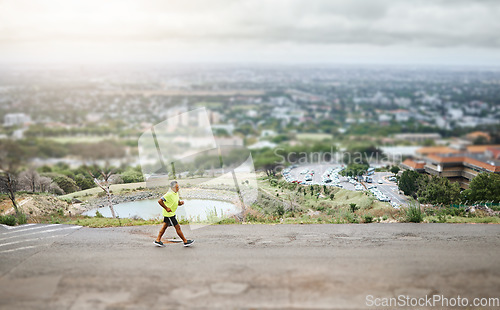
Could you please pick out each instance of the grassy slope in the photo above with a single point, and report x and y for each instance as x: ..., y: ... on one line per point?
x: 324, y: 209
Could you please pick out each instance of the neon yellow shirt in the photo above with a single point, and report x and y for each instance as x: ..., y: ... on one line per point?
x: 171, y: 200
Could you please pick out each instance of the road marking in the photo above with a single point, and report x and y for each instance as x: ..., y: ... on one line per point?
x: 41, y: 232
x: 29, y: 240
x: 23, y: 248
x: 16, y: 227
x: 38, y: 227
x: 55, y: 230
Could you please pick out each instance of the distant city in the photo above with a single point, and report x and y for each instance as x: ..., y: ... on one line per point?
x: 259, y: 107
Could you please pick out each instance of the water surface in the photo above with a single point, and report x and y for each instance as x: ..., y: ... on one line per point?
x: 193, y: 209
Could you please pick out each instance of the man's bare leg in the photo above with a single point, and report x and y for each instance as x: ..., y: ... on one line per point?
x: 179, y: 232
x: 162, y: 231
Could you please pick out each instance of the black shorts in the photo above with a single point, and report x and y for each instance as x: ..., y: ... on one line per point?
x: 171, y: 221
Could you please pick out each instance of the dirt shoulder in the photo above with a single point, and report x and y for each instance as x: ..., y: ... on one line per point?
x: 35, y: 205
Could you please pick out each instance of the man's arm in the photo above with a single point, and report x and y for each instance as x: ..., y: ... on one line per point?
x: 162, y: 204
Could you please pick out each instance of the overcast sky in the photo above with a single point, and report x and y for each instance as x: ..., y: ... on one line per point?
x: 250, y: 31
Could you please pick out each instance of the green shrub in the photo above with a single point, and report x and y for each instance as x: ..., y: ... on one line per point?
x: 353, y: 207
x: 229, y: 220
x: 320, y: 208
x: 253, y: 218
x: 414, y: 214
x: 280, y: 210
x: 441, y: 217
x: 368, y: 218
x: 457, y: 211
x: 66, y: 200
x: 351, y: 218
x: 67, y: 184
x: 132, y: 175
x: 331, y: 211
x: 101, y: 194
x: 98, y: 214
x: 22, y: 219
x: 430, y: 211
x: 8, y: 220
x: 354, y: 220
x: 84, y: 182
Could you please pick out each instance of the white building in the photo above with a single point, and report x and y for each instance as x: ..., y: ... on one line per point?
x: 455, y: 113
x: 13, y: 119
x: 384, y: 118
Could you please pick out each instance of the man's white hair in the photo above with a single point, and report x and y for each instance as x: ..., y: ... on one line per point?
x: 173, y: 184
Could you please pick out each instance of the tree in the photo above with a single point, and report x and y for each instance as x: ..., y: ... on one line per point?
x: 11, y: 155
x: 428, y: 142
x: 192, y: 171
x: 29, y: 179
x: 45, y: 184
x: 409, y: 182
x: 362, y: 154
x: 395, y: 169
x: 220, y: 132
x: 481, y: 140
x: 484, y: 187
x: 354, y: 169
x: 103, y: 177
x: 9, y: 184
x: 67, y: 184
x: 132, y: 175
x: 104, y: 183
x: 201, y: 172
x: 83, y: 182
x: 439, y: 190
x: 268, y: 160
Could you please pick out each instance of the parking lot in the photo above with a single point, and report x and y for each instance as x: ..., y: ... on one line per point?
x: 389, y: 188
x: 381, y: 184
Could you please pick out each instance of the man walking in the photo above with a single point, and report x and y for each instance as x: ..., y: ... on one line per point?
x: 169, y: 202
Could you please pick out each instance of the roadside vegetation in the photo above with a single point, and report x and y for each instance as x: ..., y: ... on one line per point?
x: 279, y: 202
x: 285, y: 202
x: 435, y: 190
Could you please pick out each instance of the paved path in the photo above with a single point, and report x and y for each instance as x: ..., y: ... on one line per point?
x: 388, y: 188
x: 31, y: 236
x: 249, y: 266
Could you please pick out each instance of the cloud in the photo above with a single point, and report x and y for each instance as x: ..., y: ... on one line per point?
x: 223, y: 29
x: 419, y: 23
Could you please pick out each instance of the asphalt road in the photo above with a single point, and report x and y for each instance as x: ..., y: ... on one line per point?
x: 248, y: 266
x: 388, y: 188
